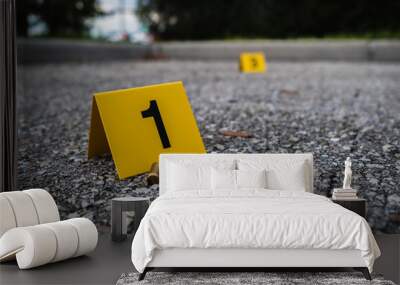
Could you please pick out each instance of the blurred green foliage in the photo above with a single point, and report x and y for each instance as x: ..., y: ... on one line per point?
x: 211, y: 19
x: 62, y: 18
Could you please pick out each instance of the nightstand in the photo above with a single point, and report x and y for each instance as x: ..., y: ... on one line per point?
x: 358, y: 205
x: 119, y: 207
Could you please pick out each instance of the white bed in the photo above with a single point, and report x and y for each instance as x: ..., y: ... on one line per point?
x: 250, y: 227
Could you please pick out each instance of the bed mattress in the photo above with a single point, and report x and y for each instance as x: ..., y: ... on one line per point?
x: 252, y: 219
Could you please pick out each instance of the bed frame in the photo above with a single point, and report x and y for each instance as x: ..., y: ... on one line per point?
x: 248, y: 259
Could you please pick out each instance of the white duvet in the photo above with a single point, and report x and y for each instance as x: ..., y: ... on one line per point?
x: 250, y: 219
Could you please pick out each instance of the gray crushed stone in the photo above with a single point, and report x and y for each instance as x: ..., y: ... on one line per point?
x: 334, y: 110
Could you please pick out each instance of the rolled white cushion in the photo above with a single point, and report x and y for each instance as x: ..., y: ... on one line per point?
x: 67, y: 240
x: 26, y: 208
x: 7, y: 218
x: 33, y: 246
x: 37, y: 245
x: 23, y: 208
x: 46, y: 208
x: 87, y: 235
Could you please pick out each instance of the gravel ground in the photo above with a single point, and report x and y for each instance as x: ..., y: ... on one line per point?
x: 334, y: 110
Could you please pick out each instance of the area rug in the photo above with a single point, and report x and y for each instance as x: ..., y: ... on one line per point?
x: 233, y: 278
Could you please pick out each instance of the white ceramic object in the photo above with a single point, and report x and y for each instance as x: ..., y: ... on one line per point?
x: 347, y: 174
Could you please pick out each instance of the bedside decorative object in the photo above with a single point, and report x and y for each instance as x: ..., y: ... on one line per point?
x: 119, y: 207
x: 347, y: 174
x: 344, y: 194
x: 357, y: 205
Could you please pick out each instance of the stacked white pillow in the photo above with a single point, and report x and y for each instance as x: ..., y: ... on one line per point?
x: 238, y: 179
x: 220, y: 177
x: 183, y: 177
x: 282, y: 174
x: 194, y: 175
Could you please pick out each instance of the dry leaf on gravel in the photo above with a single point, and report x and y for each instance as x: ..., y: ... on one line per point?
x: 239, y: 134
x: 289, y: 92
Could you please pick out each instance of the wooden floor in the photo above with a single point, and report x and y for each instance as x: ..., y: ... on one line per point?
x: 111, y: 259
x: 389, y: 263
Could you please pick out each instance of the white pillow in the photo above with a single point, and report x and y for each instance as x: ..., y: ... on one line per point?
x: 251, y: 178
x: 203, y: 161
x: 193, y: 174
x: 283, y: 174
x: 231, y: 180
x: 223, y: 179
x: 181, y: 177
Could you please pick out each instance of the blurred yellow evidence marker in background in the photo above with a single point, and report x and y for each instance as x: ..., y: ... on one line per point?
x: 252, y: 62
x: 138, y: 124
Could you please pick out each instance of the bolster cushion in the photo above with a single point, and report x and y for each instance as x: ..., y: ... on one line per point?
x: 7, y: 219
x: 40, y: 244
x: 26, y: 208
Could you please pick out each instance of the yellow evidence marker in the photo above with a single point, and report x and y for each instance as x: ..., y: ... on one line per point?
x: 138, y: 124
x: 252, y: 62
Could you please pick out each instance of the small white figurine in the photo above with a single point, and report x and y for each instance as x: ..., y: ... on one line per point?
x: 347, y: 174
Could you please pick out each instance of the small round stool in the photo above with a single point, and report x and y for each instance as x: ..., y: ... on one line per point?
x: 119, y: 207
